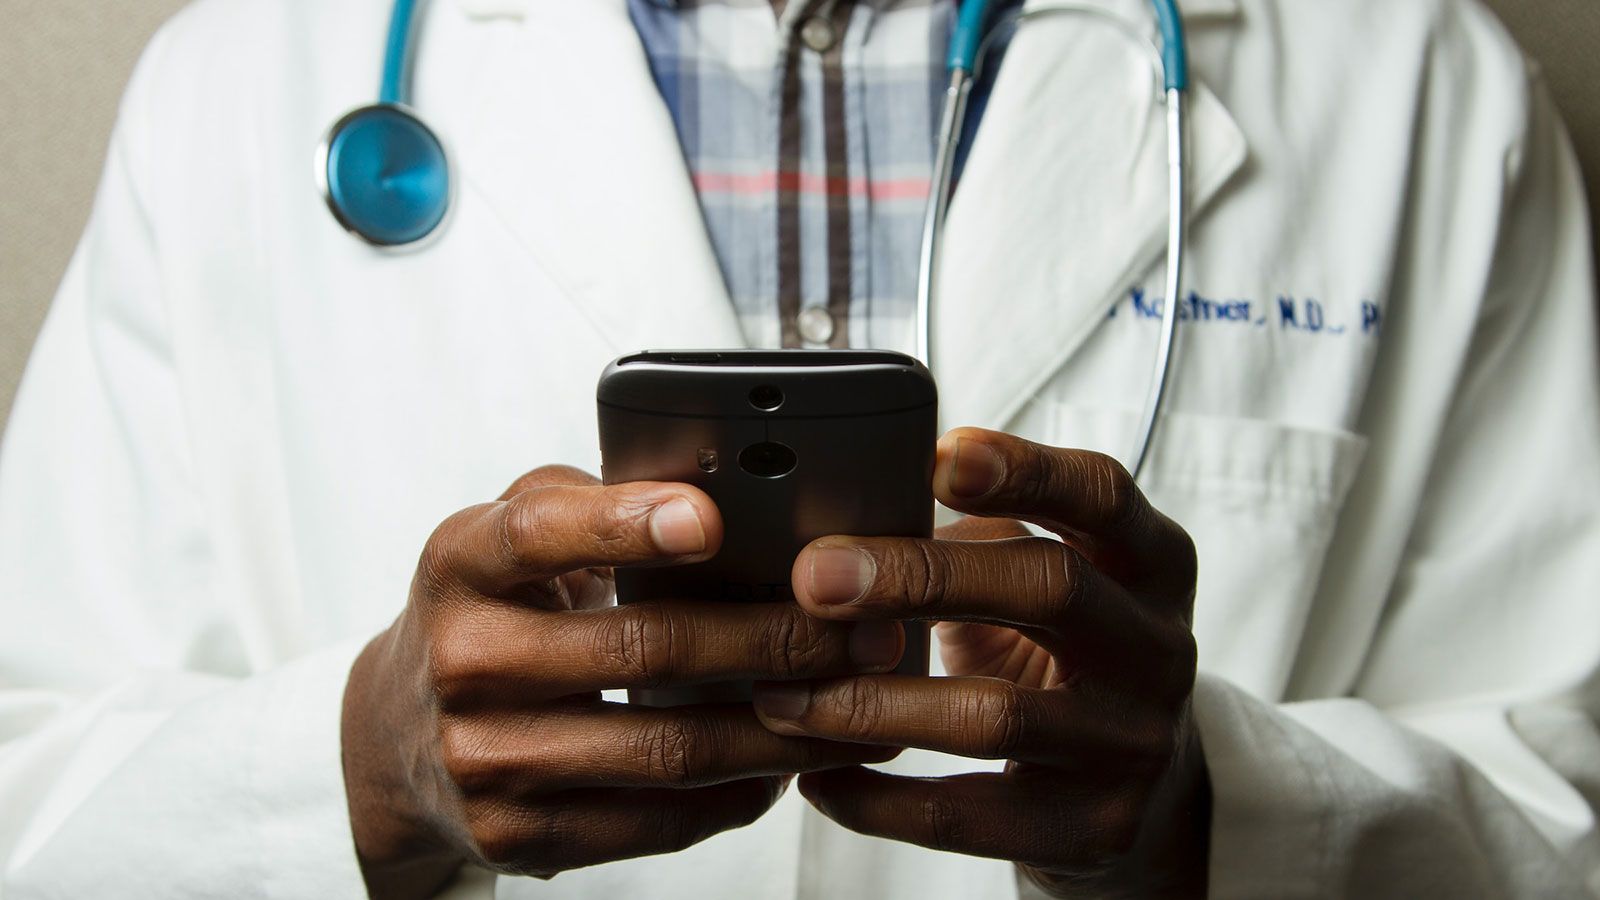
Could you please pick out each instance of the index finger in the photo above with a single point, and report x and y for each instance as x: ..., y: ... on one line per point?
x: 548, y: 531
x: 1088, y: 498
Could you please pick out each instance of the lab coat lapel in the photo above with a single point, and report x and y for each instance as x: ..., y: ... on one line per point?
x: 1051, y: 224
x: 574, y: 151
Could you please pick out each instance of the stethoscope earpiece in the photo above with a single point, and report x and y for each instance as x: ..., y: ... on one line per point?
x: 385, y: 175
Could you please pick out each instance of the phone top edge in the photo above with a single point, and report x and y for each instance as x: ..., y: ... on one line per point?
x: 745, y: 358
x: 810, y: 383
x: 756, y: 415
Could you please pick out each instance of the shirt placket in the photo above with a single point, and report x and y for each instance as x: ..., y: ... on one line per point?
x: 812, y: 67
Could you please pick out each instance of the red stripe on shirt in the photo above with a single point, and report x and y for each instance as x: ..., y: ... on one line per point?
x: 817, y: 185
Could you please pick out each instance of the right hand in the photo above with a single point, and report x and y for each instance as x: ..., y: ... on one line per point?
x: 474, y: 730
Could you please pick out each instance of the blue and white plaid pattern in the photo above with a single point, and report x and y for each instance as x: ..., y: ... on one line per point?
x: 812, y: 167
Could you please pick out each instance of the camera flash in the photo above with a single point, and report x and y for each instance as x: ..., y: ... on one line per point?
x: 707, y: 459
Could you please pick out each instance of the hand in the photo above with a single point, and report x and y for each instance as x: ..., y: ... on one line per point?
x: 1073, y: 660
x: 473, y: 728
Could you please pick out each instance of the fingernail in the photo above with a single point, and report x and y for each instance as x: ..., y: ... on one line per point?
x: 785, y: 700
x: 841, y: 574
x: 875, y: 645
x: 675, y: 528
x: 975, y: 469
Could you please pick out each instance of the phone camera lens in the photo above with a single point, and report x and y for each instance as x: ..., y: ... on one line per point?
x: 768, y: 460
x: 766, y: 397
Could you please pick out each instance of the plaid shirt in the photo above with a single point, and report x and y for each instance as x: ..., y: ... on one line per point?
x: 808, y: 127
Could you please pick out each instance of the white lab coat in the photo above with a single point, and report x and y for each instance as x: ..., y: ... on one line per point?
x: 240, y: 425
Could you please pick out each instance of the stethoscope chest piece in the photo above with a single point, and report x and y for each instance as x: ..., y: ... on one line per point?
x: 385, y: 175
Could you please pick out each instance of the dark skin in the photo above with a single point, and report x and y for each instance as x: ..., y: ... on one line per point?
x: 1072, y: 660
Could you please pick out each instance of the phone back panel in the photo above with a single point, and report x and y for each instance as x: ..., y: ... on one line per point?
x: 860, y: 427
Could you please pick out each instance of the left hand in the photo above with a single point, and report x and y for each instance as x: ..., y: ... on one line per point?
x: 1072, y: 659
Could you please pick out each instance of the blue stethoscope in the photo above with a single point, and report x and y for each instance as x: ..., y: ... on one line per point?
x: 383, y: 171
x: 386, y: 176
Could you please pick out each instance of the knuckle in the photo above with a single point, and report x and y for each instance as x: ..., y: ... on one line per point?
x: 997, y: 721
x: 924, y: 576
x: 1118, y: 822
x: 466, y: 758
x: 530, y: 481
x: 456, y: 671
x: 943, y: 822
x: 752, y: 802
x: 623, y: 521
x: 1162, y: 749
x: 441, y: 553
x: 495, y: 844
x: 521, y: 531
x: 1153, y: 748
x: 1112, y: 489
x: 864, y: 710
x: 671, y: 750
x: 1033, y: 483
x: 799, y: 645
x: 1184, y: 561
x: 639, y: 641
x: 1178, y: 662
x: 549, y: 475
x: 679, y: 828
x: 1067, y: 577
x: 1185, y: 666
x: 435, y: 565
x: 514, y: 843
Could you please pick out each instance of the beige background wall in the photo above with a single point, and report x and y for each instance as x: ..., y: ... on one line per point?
x: 63, y: 63
x: 62, y: 67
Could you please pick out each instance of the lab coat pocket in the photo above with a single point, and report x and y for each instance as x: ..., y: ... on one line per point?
x: 1260, y: 499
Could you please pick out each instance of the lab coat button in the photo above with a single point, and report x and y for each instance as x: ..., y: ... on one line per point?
x: 816, y: 324
x: 818, y: 34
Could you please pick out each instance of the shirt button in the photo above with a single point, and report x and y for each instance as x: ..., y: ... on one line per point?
x: 818, y: 34
x: 816, y: 325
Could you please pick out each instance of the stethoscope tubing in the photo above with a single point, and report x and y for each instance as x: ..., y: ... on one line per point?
x: 969, y: 47
x: 1177, y: 241
x: 937, y: 213
x: 395, y: 86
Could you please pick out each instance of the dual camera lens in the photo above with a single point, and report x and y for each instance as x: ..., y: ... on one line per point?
x: 768, y: 459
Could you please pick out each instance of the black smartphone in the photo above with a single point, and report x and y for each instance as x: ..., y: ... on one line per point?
x: 793, y: 445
